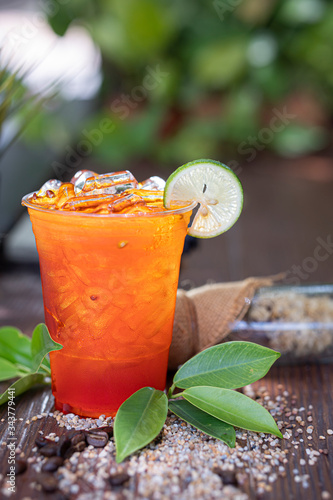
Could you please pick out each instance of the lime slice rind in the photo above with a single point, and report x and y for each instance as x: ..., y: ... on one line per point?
x: 217, y: 190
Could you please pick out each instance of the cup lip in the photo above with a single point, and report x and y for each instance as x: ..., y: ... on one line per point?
x: 73, y: 213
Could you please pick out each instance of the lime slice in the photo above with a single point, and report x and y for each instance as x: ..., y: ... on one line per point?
x: 215, y: 187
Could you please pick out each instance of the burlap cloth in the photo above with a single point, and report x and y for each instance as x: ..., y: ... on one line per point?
x: 203, y: 315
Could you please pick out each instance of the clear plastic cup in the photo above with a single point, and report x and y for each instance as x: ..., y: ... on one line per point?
x: 109, y: 290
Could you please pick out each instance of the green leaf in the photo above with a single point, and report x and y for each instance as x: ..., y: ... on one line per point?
x: 139, y: 420
x: 41, y: 345
x: 232, y: 407
x: 60, y: 20
x: 295, y: 140
x: 9, y: 370
x: 221, y: 63
x: 203, y: 421
x: 22, y: 385
x: 230, y: 365
x: 15, y: 346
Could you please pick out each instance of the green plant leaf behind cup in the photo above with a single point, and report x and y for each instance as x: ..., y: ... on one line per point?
x: 15, y: 346
x: 230, y: 365
x: 41, y: 345
x: 9, y: 370
x: 139, y: 420
x: 21, y: 385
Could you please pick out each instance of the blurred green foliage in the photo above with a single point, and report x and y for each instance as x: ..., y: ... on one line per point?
x: 17, y: 104
x: 221, y: 69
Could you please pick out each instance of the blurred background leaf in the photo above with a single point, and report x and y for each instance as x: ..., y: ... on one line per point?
x: 220, y: 68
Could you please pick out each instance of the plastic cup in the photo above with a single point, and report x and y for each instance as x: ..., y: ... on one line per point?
x: 109, y: 289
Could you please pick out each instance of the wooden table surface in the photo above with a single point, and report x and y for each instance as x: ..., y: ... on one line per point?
x: 310, y: 384
x: 287, y: 209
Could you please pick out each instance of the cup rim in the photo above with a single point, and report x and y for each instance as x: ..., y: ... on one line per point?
x: 73, y: 213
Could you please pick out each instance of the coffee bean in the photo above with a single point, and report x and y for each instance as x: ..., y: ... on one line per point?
x: 52, y: 464
x: 48, y: 482
x: 20, y: 466
x: 77, y: 444
x: 80, y: 446
x: 59, y: 496
x: 119, y: 478
x: 98, y: 439
x: 107, y: 428
x: 227, y: 476
x: 72, y: 432
x: 63, y: 445
x: 49, y: 450
x: 42, y: 441
x: 78, y: 438
x: 69, y: 453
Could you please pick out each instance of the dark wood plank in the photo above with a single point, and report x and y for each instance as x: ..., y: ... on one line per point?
x: 33, y: 403
x: 312, y: 386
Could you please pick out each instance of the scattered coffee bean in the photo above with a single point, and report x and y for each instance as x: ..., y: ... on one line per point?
x: 78, y: 438
x: 79, y: 446
x: 52, y: 464
x: 119, y: 478
x: 42, y: 441
x: 49, y: 450
x: 63, y: 445
x: 107, y: 428
x: 72, y: 432
x: 48, y: 482
x: 227, y: 476
x: 98, y: 439
x: 20, y: 466
x: 59, y: 496
x: 68, y: 453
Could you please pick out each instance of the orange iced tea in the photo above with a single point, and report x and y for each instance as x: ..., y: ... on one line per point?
x: 109, y: 260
